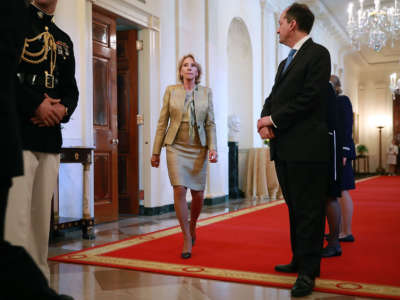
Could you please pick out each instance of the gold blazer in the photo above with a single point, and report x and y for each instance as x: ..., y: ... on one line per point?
x: 172, y: 112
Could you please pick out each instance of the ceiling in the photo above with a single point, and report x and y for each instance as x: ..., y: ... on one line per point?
x: 338, y: 11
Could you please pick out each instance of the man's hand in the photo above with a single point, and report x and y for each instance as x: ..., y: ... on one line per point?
x: 60, y: 110
x: 344, y: 161
x: 263, y: 122
x: 266, y: 132
x: 49, y: 112
x: 212, y: 156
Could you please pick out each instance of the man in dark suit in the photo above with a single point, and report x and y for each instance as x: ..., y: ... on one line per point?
x: 20, y: 278
x: 294, y: 118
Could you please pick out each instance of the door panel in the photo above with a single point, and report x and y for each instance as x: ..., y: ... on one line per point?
x: 128, y: 170
x: 105, y: 117
x: 102, y: 169
x: 102, y: 92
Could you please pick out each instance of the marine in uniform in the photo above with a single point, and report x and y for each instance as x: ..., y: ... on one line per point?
x: 47, y: 95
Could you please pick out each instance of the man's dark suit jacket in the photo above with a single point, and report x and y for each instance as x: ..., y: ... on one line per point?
x: 298, y: 106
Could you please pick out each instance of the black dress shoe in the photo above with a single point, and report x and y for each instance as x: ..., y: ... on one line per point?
x: 330, y: 251
x: 186, y: 255
x: 289, y: 268
x: 303, y: 286
x: 347, y: 238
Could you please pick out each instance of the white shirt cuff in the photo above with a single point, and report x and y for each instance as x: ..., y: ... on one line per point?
x: 273, y: 122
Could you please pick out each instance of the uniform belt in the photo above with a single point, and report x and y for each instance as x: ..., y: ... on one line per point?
x: 46, y: 80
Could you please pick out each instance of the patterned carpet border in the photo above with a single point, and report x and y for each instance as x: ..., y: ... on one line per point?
x: 94, y: 256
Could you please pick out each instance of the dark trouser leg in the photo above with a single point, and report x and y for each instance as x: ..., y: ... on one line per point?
x: 304, y: 186
x: 308, y: 185
x: 282, y: 174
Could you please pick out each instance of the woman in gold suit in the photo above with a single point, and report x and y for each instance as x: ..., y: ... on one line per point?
x: 186, y: 128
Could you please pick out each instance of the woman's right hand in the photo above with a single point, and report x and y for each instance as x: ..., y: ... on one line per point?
x: 155, y: 160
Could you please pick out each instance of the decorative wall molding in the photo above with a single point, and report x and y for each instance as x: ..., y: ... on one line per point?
x: 278, y: 5
x: 328, y: 21
x: 177, y: 33
x: 207, y: 42
x: 126, y: 9
x: 322, y: 14
x: 381, y: 85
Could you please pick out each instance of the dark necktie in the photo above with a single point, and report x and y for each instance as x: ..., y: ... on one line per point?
x: 289, y: 59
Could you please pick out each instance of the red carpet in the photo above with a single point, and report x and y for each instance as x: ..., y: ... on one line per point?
x: 244, y: 246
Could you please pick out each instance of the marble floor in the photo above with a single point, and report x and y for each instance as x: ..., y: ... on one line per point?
x: 101, y: 283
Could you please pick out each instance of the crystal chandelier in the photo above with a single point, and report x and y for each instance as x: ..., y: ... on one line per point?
x: 373, y: 26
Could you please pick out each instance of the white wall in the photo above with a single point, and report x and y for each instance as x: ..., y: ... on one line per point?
x: 78, y: 132
x: 351, y: 81
x: 240, y: 79
x: 191, y: 30
x: 269, y: 49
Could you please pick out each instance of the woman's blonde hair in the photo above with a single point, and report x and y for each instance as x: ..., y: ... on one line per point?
x: 198, y: 66
x: 336, y: 84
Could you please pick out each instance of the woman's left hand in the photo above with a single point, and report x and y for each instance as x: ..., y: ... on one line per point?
x: 213, y: 156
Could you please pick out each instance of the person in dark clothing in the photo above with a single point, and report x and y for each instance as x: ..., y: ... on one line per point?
x: 336, y: 135
x: 349, y: 154
x: 47, y: 95
x: 20, y: 278
x: 295, y: 114
x: 12, y: 34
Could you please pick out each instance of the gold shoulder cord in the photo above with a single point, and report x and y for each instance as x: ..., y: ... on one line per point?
x: 49, y: 45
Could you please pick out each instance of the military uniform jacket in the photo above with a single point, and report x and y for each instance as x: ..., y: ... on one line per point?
x: 47, y: 49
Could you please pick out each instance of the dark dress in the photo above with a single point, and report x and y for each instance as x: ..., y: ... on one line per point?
x: 336, y: 138
x: 348, y: 149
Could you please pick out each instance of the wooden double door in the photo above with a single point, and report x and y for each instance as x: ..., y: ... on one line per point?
x: 115, y: 106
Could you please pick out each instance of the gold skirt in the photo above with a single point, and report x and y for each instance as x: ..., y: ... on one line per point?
x: 187, y: 160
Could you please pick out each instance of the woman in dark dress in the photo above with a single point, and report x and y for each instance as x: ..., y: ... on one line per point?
x: 336, y: 133
x: 349, y: 154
